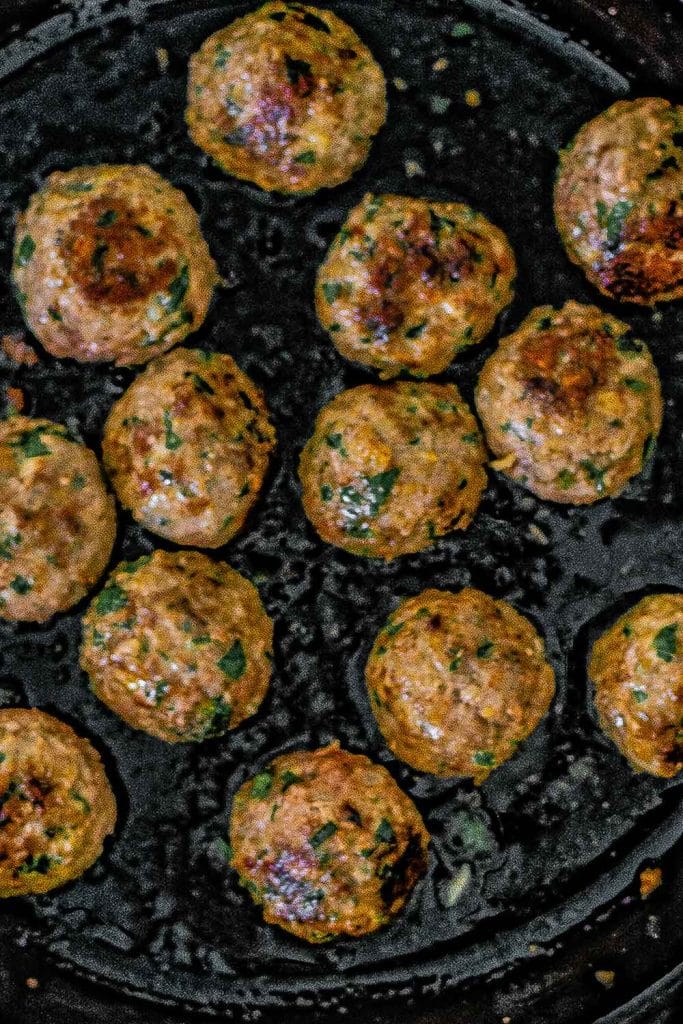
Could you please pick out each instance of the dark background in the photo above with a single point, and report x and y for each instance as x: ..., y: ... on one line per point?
x: 161, y: 882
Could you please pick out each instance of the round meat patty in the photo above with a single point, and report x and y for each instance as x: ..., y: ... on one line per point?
x: 327, y: 844
x: 457, y: 682
x: 187, y: 447
x: 409, y: 283
x: 57, y: 520
x: 571, y: 404
x: 391, y: 468
x: 637, y: 669
x: 110, y: 264
x: 287, y: 97
x: 56, y: 805
x: 178, y: 646
x: 619, y: 200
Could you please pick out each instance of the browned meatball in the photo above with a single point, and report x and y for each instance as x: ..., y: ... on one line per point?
x: 391, y: 468
x: 287, y: 97
x: 57, y: 521
x: 637, y: 669
x: 409, y: 283
x: 619, y: 200
x: 110, y: 263
x: 178, y: 646
x: 571, y: 404
x: 457, y: 682
x: 187, y: 447
x: 327, y: 843
x: 56, y: 805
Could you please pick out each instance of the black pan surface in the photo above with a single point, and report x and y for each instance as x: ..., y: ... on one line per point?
x: 552, y: 844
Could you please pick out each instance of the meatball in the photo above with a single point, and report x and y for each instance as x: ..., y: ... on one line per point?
x: 57, y: 520
x: 391, y: 468
x: 178, y: 646
x: 327, y: 843
x: 619, y: 201
x: 409, y: 283
x: 56, y: 805
x: 457, y: 682
x: 637, y: 669
x: 287, y: 97
x: 571, y: 404
x: 187, y: 447
x: 110, y: 264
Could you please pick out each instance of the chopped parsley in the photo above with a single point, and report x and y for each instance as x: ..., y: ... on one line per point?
x: 111, y: 599
x: 484, y: 758
x: 107, y: 219
x: 288, y: 779
x: 325, y: 832
x: 336, y: 442
x: 485, y: 649
x: 307, y: 157
x: 639, y: 386
x: 332, y: 290
x: 384, y: 833
x: 234, y: 661
x: 416, y: 330
x: 25, y: 252
x: 261, y: 785
x: 172, y: 440
x: 177, y: 290
x: 21, y: 585
x: 664, y: 642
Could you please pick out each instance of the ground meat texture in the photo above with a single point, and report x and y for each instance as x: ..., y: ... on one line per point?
x: 56, y: 805
x: 409, y: 283
x: 637, y: 669
x: 619, y: 201
x: 327, y: 844
x: 57, y: 521
x: 457, y: 682
x: 571, y: 404
x: 110, y: 264
x: 287, y: 97
x: 187, y: 447
x: 391, y: 468
x: 178, y: 646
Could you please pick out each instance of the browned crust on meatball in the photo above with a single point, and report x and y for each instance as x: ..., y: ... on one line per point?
x: 327, y: 844
x: 56, y: 804
x: 619, y: 200
x: 287, y: 97
x: 637, y: 669
x: 457, y: 682
x: 409, y: 283
x: 110, y: 264
x: 179, y: 646
x: 571, y: 404
x: 57, y: 520
x: 187, y: 447
x: 391, y: 468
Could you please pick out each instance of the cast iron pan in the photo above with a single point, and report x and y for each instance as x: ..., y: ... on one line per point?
x: 553, y: 843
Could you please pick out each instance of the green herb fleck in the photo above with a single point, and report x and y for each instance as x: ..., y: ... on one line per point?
x: 639, y: 695
x: 173, y: 440
x: 332, y: 290
x: 307, y: 157
x: 462, y: 30
x: 107, y: 219
x: 261, y: 785
x: 234, y: 662
x: 21, y: 585
x: 485, y: 649
x: 664, y: 642
x: 566, y: 479
x: 25, y: 252
x: 336, y: 442
x: 177, y: 290
x: 111, y: 599
x: 416, y: 330
x: 326, y: 492
x: 325, y: 831
x: 484, y: 758
x: 639, y: 386
x: 384, y: 833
